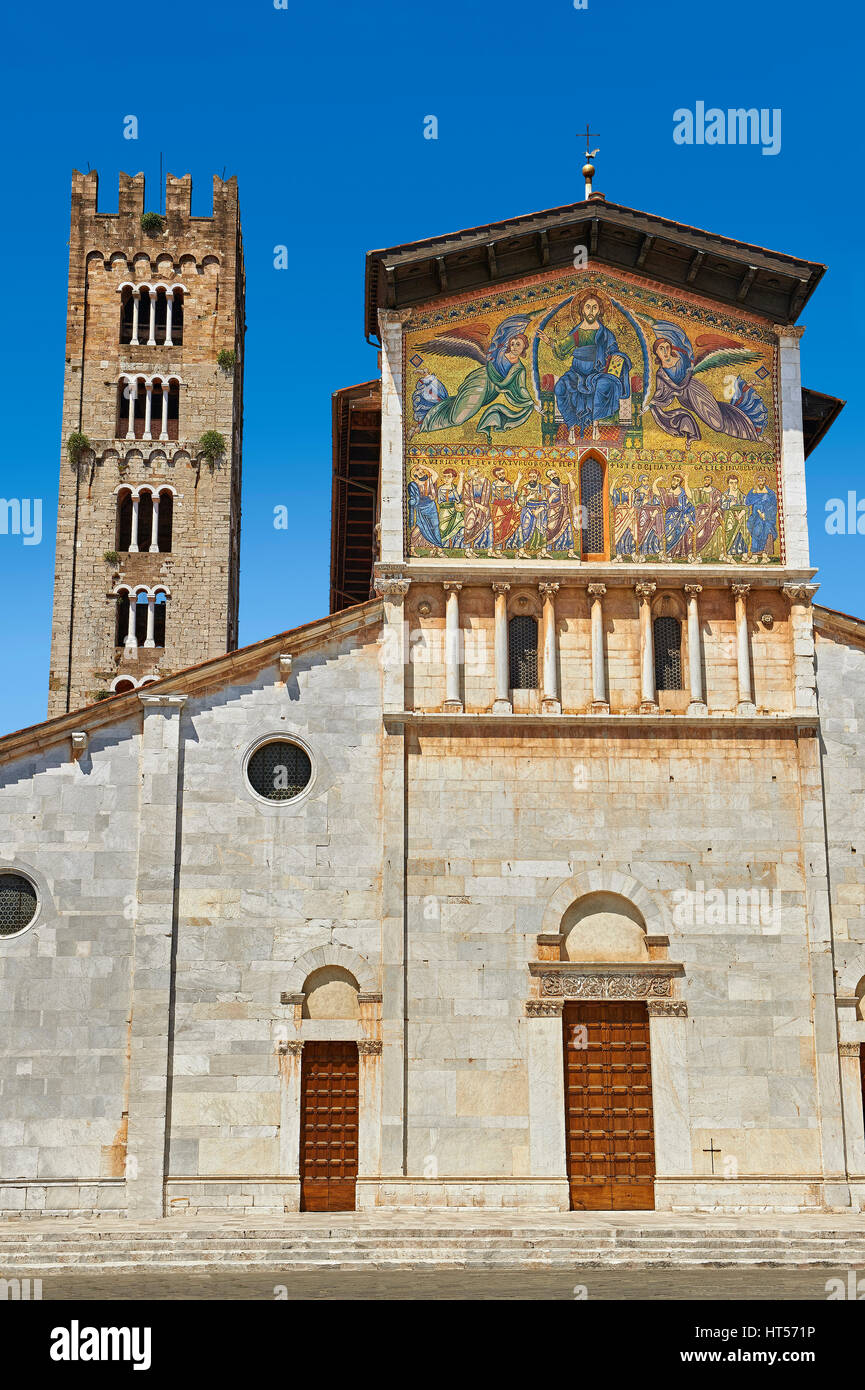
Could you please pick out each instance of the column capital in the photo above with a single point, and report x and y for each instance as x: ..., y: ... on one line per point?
x: 392, y: 585
x: 545, y: 1008
x: 597, y: 590
x: 369, y: 1047
x: 740, y: 590
x: 500, y: 588
x: 693, y: 589
x: 293, y: 1047
x: 799, y: 593
x: 548, y: 590
x: 452, y: 585
x: 789, y: 330
x: 667, y: 1008
x: 645, y: 591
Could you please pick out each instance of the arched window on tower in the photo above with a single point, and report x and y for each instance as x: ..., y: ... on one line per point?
x: 523, y: 652
x: 123, y: 532
x: 165, y: 527
x: 593, y: 544
x: 667, y: 634
x: 121, y: 619
x: 159, y: 623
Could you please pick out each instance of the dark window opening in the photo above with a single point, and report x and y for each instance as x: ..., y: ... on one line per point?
x: 667, y: 634
x: 592, y: 504
x: 124, y: 522
x: 165, y: 527
x: 523, y: 653
x: 121, y: 619
x: 279, y: 770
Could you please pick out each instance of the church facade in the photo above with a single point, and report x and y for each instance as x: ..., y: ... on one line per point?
x: 531, y: 876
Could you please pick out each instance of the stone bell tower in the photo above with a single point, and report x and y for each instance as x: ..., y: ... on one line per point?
x: 148, y: 524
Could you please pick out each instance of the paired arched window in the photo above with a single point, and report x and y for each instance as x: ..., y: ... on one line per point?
x: 667, y: 634
x: 151, y: 315
x: 140, y: 617
x: 148, y: 407
x: 593, y: 542
x: 523, y: 652
x: 145, y: 519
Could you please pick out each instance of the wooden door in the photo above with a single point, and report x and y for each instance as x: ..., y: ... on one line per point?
x: 608, y: 1107
x: 328, y: 1126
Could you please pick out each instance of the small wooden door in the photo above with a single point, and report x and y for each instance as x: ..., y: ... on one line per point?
x: 608, y: 1107
x: 328, y: 1126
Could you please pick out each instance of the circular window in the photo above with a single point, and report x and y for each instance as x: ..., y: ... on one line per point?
x: 18, y: 903
x: 279, y: 771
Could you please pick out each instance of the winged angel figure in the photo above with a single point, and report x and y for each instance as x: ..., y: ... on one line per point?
x: 680, y: 396
x: 501, y: 373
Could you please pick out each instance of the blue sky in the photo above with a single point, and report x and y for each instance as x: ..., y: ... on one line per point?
x: 319, y: 111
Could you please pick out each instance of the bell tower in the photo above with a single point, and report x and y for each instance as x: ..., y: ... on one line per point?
x: 148, y: 526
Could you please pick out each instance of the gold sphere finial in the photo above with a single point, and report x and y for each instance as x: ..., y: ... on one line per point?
x: 588, y: 171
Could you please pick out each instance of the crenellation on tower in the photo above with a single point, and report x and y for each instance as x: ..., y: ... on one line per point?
x: 146, y: 578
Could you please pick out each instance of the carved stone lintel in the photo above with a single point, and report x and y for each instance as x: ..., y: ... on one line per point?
x: 597, y: 984
x: 544, y: 1008
x: 849, y: 1049
x: 645, y: 591
x: 800, y: 593
x: 369, y: 1047
x: 293, y: 1047
x: 667, y: 1008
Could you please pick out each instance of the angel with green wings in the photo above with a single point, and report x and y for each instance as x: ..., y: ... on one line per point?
x: 680, y: 399
x: 501, y: 373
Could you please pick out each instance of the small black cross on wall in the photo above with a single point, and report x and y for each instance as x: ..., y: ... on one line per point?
x: 711, y: 1151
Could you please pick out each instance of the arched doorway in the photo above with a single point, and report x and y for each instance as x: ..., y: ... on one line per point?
x: 329, y: 1097
x: 609, y: 1124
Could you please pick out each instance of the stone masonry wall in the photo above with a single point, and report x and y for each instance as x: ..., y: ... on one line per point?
x: 204, y: 254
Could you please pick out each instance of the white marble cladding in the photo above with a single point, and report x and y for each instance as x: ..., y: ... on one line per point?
x: 178, y: 914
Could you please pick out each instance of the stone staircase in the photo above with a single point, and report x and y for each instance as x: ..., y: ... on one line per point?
x: 31, y: 1248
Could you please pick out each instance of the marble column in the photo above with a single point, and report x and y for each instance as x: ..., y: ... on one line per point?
x: 545, y: 1064
x: 801, y: 623
x: 743, y: 652
x: 502, y: 704
x: 136, y: 302
x: 154, y: 526
x: 151, y: 337
x: 550, y: 702
x: 453, y: 704
x: 132, y: 392
x: 169, y: 305
x: 695, y: 665
x: 852, y: 1102
x: 290, y: 1052
x: 600, y: 702
x: 648, y: 697
x: 149, y: 640
x: 133, y: 538
x: 369, y: 1108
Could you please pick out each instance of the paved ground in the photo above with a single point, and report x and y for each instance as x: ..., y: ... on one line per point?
x: 618, y: 1284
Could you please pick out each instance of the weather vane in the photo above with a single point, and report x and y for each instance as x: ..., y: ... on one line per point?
x: 588, y: 167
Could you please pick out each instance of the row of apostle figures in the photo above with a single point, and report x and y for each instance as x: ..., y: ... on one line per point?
x: 544, y: 512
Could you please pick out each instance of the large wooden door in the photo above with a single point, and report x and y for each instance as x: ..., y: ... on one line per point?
x: 328, y: 1126
x: 608, y: 1107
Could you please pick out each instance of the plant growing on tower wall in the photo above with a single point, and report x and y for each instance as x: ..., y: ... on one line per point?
x: 152, y: 223
x: 226, y: 359
x: 212, y: 445
x: 76, y: 445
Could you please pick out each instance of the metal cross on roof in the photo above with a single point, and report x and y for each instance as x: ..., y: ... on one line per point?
x: 590, y: 135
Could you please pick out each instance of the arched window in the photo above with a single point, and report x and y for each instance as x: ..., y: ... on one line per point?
x: 166, y: 521
x: 592, y: 509
x: 148, y: 408
x: 161, y: 609
x: 164, y: 329
x: 123, y: 687
x: 123, y: 532
x: 121, y: 619
x: 667, y: 633
x: 523, y: 652
x: 330, y: 992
